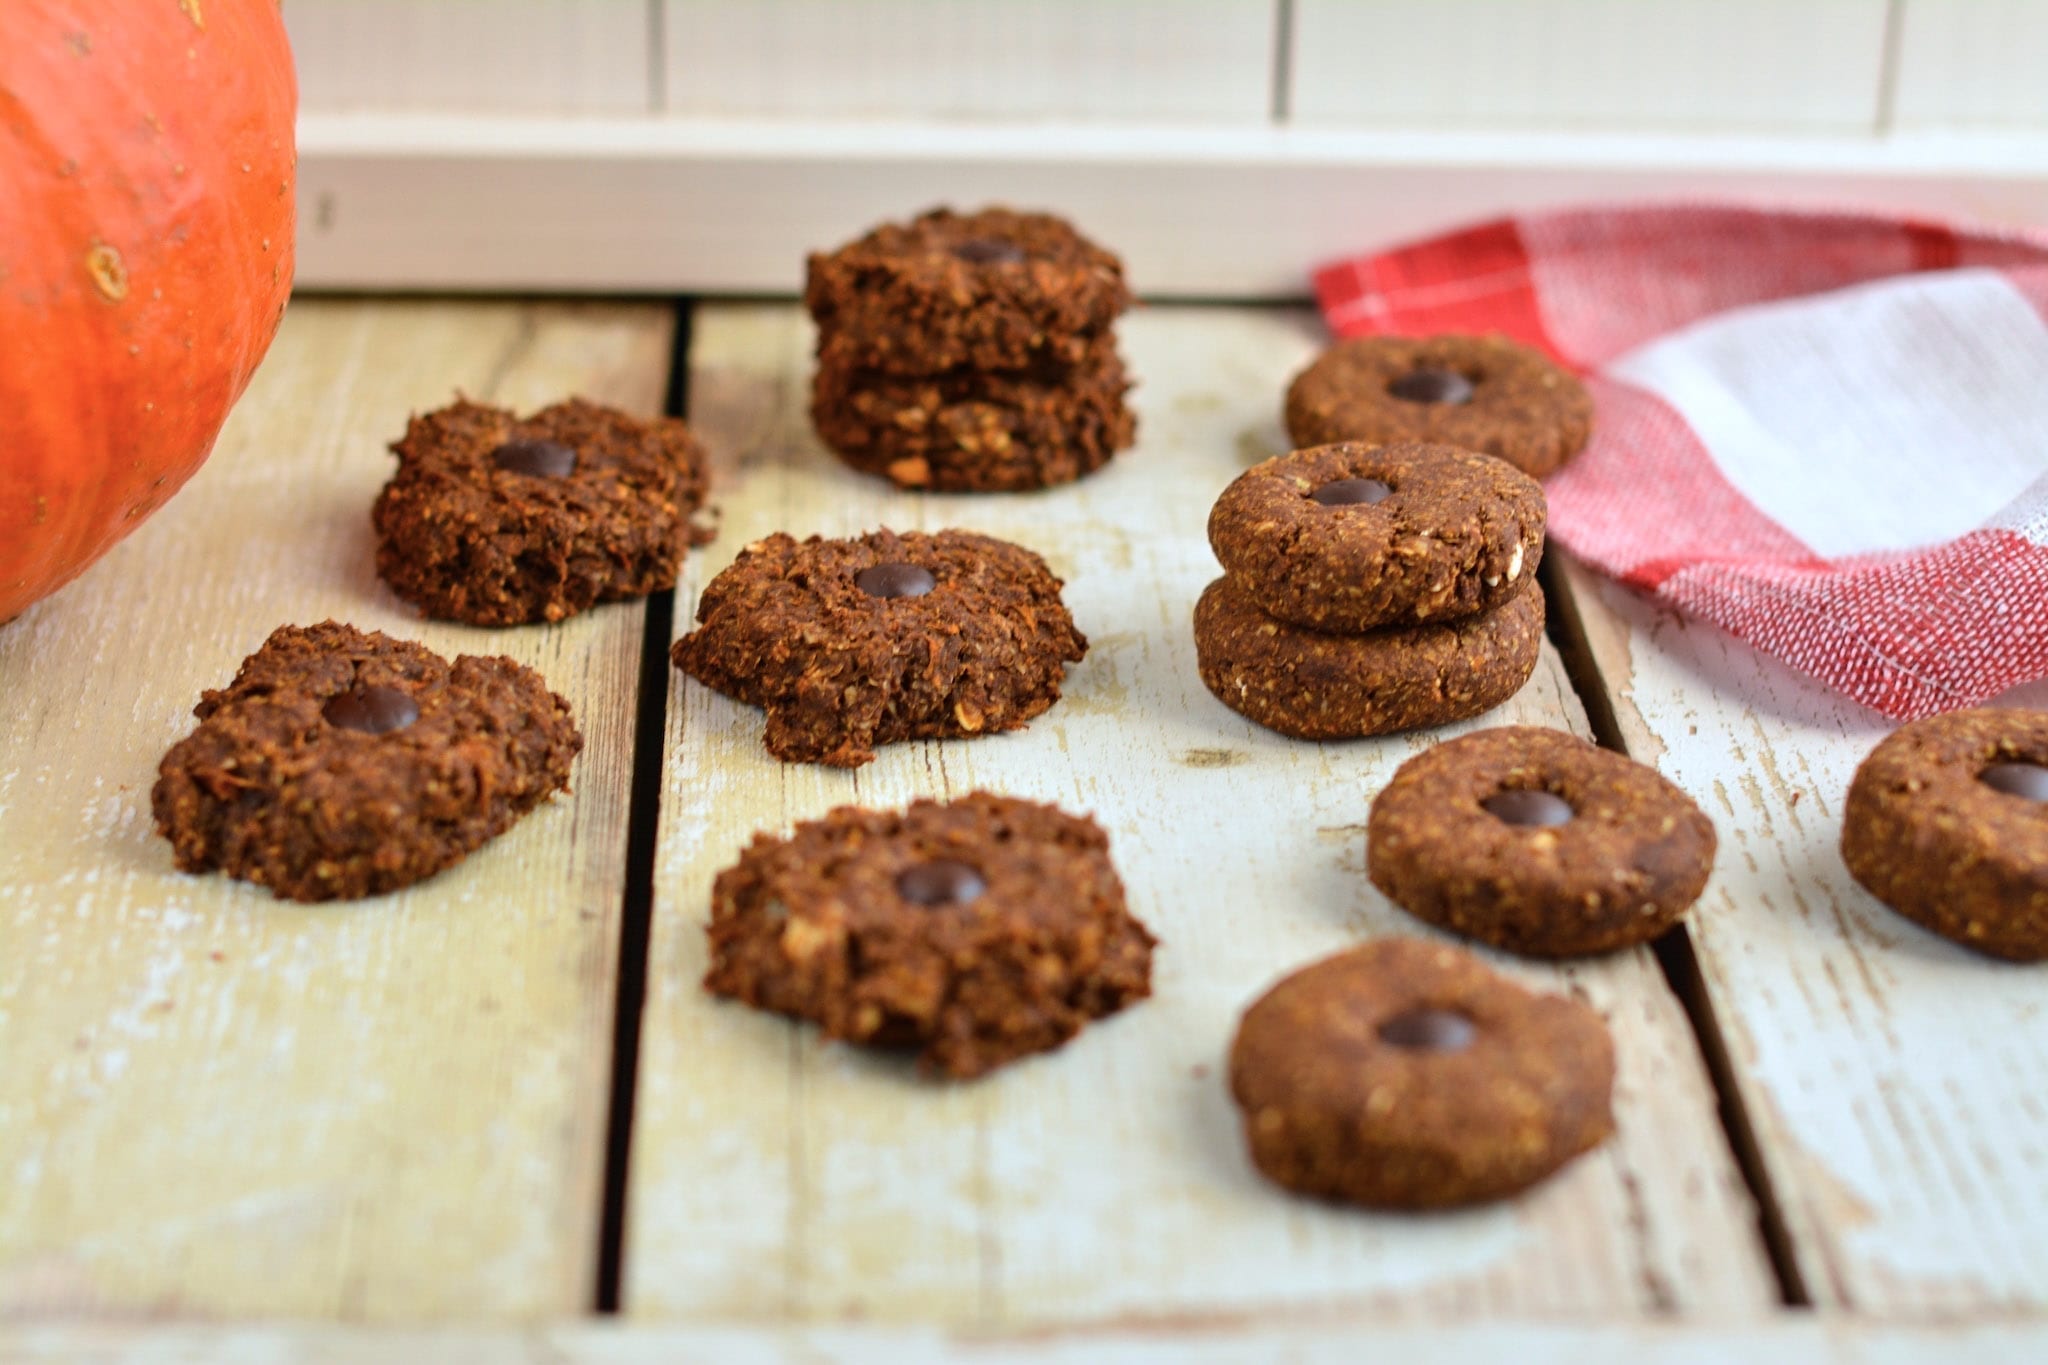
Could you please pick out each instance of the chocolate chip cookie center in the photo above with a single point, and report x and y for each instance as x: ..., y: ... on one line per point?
x: 1352, y: 493
x: 373, y: 710
x: 2028, y: 781
x: 943, y: 881
x: 895, y: 578
x: 988, y: 251
x: 1528, y: 808
x: 1431, y: 384
x: 536, y: 458
x: 1424, y: 1029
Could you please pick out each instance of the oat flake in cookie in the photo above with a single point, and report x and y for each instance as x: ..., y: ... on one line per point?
x: 1535, y: 841
x: 343, y: 763
x: 499, y: 520
x: 1482, y: 393
x: 852, y: 643
x: 1409, y: 1075
x: 975, y: 932
x: 1947, y: 823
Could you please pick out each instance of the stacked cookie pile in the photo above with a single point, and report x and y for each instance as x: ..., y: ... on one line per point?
x: 1372, y: 588
x: 970, y: 352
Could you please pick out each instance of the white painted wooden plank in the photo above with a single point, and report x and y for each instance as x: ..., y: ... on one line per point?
x: 777, y: 1178
x: 529, y: 56
x: 1339, y: 1341
x: 1972, y: 63
x: 1707, y: 65
x: 214, y: 1102
x: 1893, y: 1080
x: 441, y: 203
x: 1208, y: 61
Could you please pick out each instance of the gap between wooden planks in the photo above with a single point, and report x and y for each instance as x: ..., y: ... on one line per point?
x: 215, y: 1103
x: 777, y: 1179
x: 1893, y: 1082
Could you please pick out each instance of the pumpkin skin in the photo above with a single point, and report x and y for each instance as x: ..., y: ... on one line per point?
x: 146, y: 210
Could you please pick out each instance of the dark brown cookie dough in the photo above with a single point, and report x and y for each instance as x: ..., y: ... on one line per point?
x: 995, y: 289
x: 967, y: 637
x: 343, y: 763
x: 1538, y: 842
x: 1483, y: 393
x: 1314, y: 686
x: 1947, y: 823
x: 1351, y: 537
x: 976, y: 430
x: 1408, y: 1075
x: 977, y: 932
x: 499, y: 520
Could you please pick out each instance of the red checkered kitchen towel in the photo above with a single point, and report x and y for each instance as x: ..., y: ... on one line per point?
x: 1826, y: 434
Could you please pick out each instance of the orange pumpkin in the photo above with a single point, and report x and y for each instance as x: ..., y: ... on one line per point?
x: 146, y: 173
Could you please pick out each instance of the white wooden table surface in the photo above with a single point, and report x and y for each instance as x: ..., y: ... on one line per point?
x: 443, y: 1122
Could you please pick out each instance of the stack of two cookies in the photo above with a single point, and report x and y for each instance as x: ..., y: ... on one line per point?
x: 970, y: 352
x: 1372, y: 588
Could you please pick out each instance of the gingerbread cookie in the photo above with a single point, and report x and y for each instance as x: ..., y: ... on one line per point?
x: 343, y: 763
x: 1314, y: 686
x: 993, y: 290
x: 1538, y: 842
x: 499, y: 520
x: 1350, y: 537
x: 1947, y: 823
x: 852, y: 643
x: 976, y: 932
x: 1408, y: 1075
x: 970, y: 430
x: 1482, y: 393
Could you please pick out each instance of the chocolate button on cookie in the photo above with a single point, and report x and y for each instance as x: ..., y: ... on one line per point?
x: 1350, y: 537
x: 343, y: 763
x: 852, y: 643
x: 499, y: 520
x: 1310, y: 685
x: 976, y: 932
x: 1481, y: 393
x: 1408, y: 1075
x: 1538, y: 842
x: 1947, y: 823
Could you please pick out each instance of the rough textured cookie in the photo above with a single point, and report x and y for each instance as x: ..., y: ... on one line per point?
x: 344, y: 763
x: 499, y: 520
x: 1314, y: 686
x: 1350, y: 537
x: 976, y: 932
x: 997, y: 289
x: 1947, y: 823
x: 1408, y: 1075
x: 1538, y: 842
x: 1482, y: 393
x: 976, y: 430
x: 852, y: 643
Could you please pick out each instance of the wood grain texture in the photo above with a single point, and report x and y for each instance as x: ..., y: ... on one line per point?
x: 777, y: 1178
x: 528, y: 56
x: 1206, y: 61
x: 1893, y: 1081
x: 216, y: 1103
x: 1700, y: 65
x: 1971, y: 63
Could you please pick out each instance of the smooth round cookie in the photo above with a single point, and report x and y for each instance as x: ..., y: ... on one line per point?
x: 499, y: 520
x: 995, y: 290
x: 977, y: 931
x: 343, y: 763
x: 1351, y: 537
x: 1535, y: 841
x: 1947, y: 823
x: 1310, y: 685
x: 974, y: 430
x: 1483, y: 393
x: 1402, y: 1074
x: 852, y: 643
